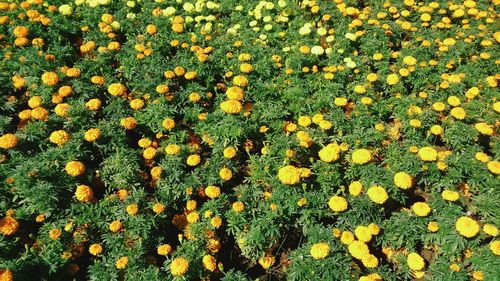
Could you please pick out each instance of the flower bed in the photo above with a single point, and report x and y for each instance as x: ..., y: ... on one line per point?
x: 235, y: 140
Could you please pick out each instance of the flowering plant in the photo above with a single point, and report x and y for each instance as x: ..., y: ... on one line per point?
x: 217, y: 139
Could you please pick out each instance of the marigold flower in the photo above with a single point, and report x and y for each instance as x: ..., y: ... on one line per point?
x: 337, y: 203
x: 320, y: 251
x: 209, y: 262
x: 289, y: 175
x: 179, y: 266
x: 421, y: 209
x: 84, y: 193
x: 403, y: 180
x: 377, y: 194
x: 267, y: 261
x: 415, y: 261
x: 427, y: 154
x: 121, y: 263
x: 231, y: 106
x: 164, y: 249
x: 75, y: 168
x: 361, y: 156
x: 467, y: 227
x: 8, y: 141
x: 8, y: 226
x: 95, y: 249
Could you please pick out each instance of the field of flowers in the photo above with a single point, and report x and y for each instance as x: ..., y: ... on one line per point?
x: 243, y: 140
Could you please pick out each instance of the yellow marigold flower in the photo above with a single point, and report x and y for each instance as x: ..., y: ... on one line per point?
x: 172, y: 149
x: 320, y: 250
x: 347, y: 237
x: 84, y: 193
x: 377, y: 194
x: 289, y: 175
x: 121, y: 263
x: 370, y: 261
x: 415, y: 261
x: 168, y: 123
x: 355, y: 188
x: 20, y: 31
x: 190, y: 75
x: 329, y: 153
x: 35, y: 102
x: 238, y: 206
x: 229, y: 152
x: 225, y: 174
x: 62, y: 109
x: 193, y: 217
x: 193, y: 160
x: 92, y: 134
x: 179, y: 266
x: 132, y: 209
x: 115, y: 226
x: 302, y: 201
x: 59, y: 137
x: 128, y: 123
x: 74, y: 168
x: 158, y: 208
x: 235, y: 93
x: 55, y: 233
x: 361, y: 156
x: 409, y: 60
x: 455, y: 267
x: 267, y: 261
x: 374, y: 229
x: 209, y: 263
x: 231, y: 106
x: 337, y: 203
x: 421, y: 209
x: 93, y: 104
x: 403, y: 180
x: 8, y: 225
x: 484, y: 128
x: 359, y: 89
x: 216, y: 222
x: 136, y: 104
x: 50, y: 78
x: 149, y: 153
x: 427, y: 153
x: 467, y: 227
x: 458, y: 113
x: 490, y: 229
x: 340, y: 101
x: 304, y: 121
x: 433, y: 226
x: 478, y: 275
x: 18, y: 81
x: 495, y: 247
x: 450, y: 195
x: 212, y: 191
x: 494, y: 167
x: 164, y: 249
x: 358, y: 249
x: 95, y: 249
x: 98, y: 80
x: 117, y: 89
x: 392, y: 79
x: 246, y: 68
x: 436, y: 130
x: 363, y: 233
x: 240, y: 80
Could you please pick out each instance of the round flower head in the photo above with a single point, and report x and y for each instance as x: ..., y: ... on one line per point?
x: 289, y: 175
x: 337, y: 203
x: 361, y: 156
x: 377, y: 194
x: 179, y: 266
x: 467, y: 227
x: 320, y: 250
x: 415, y: 261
